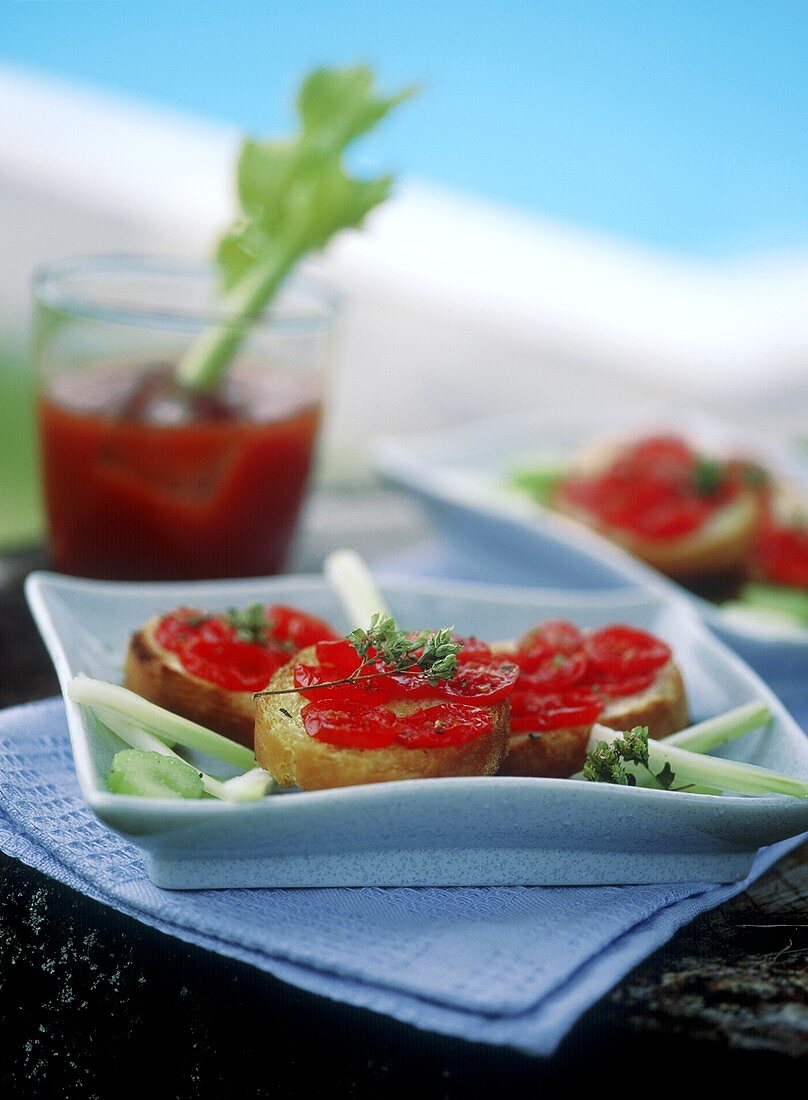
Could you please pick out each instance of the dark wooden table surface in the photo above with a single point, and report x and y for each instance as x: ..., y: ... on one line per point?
x: 94, y: 1002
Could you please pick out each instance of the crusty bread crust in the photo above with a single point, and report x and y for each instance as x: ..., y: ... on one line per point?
x: 295, y: 759
x: 722, y: 545
x: 560, y: 753
x: 157, y: 675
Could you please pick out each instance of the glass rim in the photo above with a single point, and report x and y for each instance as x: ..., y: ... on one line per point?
x: 54, y: 285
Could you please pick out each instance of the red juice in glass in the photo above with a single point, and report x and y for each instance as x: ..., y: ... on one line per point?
x: 145, y: 480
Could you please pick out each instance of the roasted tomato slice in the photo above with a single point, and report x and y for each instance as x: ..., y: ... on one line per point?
x: 235, y: 666
x: 356, y: 727
x: 298, y: 628
x: 657, y: 488
x: 443, y: 725
x: 671, y: 519
x: 668, y: 457
x: 474, y: 650
x: 179, y: 627
x: 339, y: 656
x: 556, y: 673
x: 557, y: 635
x: 542, y: 713
x: 487, y: 684
x: 781, y: 555
x: 322, y: 683
x: 630, y: 685
x: 619, y: 652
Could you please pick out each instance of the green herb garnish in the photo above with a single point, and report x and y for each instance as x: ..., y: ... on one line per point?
x: 433, y: 655
x: 708, y: 473
x: 606, y: 762
x: 755, y: 476
x: 631, y: 759
x: 776, y: 599
x: 294, y: 195
x: 539, y: 483
x: 250, y: 624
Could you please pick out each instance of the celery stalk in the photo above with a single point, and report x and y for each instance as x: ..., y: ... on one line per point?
x: 355, y: 587
x: 691, y: 769
x: 722, y: 729
x: 147, y: 742
x: 106, y: 698
x: 248, y: 787
x: 209, y: 356
x: 295, y: 195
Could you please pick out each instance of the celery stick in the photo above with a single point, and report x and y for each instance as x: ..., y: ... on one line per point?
x: 539, y: 482
x: 684, y: 769
x: 295, y: 195
x: 780, y: 599
x: 152, y: 775
x: 103, y: 697
x: 720, y: 730
x: 355, y: 587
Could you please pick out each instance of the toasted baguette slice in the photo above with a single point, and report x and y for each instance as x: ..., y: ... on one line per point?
x: 721, y: 545
x: 560, y: 753
x: 158, y: 675
x: 295, y: 759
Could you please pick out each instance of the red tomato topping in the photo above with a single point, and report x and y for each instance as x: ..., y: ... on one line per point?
x: 542, y: 713
x: 671, y: 519
x: 181, y: 626
x: 566, y: 677
x: 630, y: 685
x: 657, y: 488
x: 781, y: 555
x: 557, y: 672
x: 473, y: 650
x: 339, y: 656
x: 480, y: 683
x: 444, y: 725
x: 235, y: 666
x: 364, y: 727
x: 312, y: 676
x: 356, y: 727
x: 300, y: 629
x: 617, y: 652
x: 558, y: 635
x: 668, y: 455
x: 209, y: 647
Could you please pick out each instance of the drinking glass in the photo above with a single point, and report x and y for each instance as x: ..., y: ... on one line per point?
x: 145, y: 478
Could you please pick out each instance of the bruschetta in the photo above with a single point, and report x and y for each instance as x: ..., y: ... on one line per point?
x: 206, y: 666
x: 617, y: 675
x: 311, y: 735
x: 687, y: 514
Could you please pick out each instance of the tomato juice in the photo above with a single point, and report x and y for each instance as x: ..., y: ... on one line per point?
x: 145, y: 481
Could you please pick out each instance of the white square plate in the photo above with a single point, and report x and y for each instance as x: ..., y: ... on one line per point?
x: 450, y: 832
x: 461, y: 475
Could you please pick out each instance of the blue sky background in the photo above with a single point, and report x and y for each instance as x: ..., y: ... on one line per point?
x: 676, y: 123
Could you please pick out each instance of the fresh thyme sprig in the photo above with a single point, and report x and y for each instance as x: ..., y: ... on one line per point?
x: 432, y: 654
x: 607, y: 763
x: 250, y: 624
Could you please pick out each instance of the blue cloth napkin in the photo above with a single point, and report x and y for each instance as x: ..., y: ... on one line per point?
x: 513, y: 966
